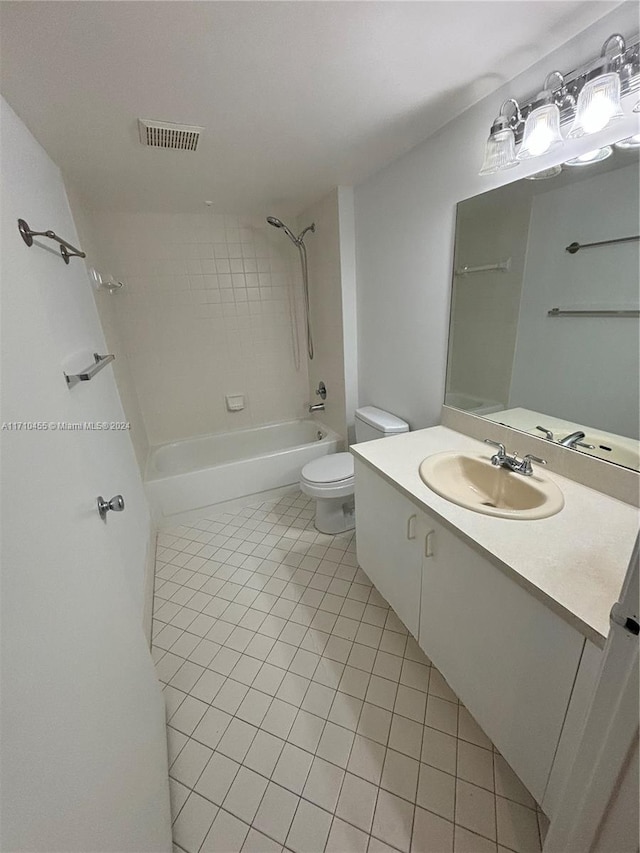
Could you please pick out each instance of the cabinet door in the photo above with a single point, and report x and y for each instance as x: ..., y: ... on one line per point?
x: 506, y: 655
x: 388, y: 543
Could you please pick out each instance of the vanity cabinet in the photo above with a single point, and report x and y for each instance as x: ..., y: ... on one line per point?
x: 510, y: 659
x: 388, y: 539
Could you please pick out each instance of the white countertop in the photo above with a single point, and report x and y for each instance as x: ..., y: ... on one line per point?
x: 574, y: 562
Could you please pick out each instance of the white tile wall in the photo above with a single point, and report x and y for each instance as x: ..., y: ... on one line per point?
x: 205, y: 312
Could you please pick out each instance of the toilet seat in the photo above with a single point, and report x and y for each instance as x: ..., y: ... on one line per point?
x: 330, y: 476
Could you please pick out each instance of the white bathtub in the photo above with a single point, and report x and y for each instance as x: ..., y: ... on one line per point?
x: 199, y: 472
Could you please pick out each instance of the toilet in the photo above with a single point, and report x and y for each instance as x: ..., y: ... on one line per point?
x: 330, y: 479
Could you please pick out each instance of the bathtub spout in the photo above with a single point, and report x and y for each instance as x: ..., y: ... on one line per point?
x: 316, y: 407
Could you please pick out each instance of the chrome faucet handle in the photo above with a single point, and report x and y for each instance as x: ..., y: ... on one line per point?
x: 499, y: 457
x: 527, y: 460
x: 586, y: 446
x: 547, y: 433
x: 497, y: 444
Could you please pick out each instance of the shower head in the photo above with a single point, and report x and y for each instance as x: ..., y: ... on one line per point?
x: 278, y: 223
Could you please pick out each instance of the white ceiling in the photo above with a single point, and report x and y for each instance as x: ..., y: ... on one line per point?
x: 296, y: 97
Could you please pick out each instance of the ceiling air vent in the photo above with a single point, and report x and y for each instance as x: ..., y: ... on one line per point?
x: 166, y: 134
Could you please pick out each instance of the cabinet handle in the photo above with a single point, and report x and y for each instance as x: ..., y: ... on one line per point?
x: 428, y: 544
x: 411, y: 527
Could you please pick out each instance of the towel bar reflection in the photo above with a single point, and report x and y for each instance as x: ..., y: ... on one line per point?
x: 100, y: 362
x: 594, y: 312
x: 66, y: 249
x: 501, y: 266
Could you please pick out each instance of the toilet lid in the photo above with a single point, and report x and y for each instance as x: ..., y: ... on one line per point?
x: 329, y: 469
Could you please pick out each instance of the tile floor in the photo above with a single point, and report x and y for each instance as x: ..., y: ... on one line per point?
x: 301, y: 715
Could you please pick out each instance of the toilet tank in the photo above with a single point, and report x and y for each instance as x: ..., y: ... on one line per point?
x: 374, y: 423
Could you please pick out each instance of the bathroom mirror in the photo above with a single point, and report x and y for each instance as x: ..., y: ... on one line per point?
x: 545, y: 320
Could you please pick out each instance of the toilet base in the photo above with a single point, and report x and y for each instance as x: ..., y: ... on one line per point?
x: 335, y: 515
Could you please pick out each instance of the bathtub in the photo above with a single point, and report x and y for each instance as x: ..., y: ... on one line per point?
x: 211, y: 469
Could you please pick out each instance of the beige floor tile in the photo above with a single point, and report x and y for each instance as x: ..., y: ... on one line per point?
x: 367, y: 759
x: 323, y: 784
x: 406, y: 736
x: 292, y: 768
x: 468, y: 842
x: 309, y: 830
x: 439, y: 750
x: 437, y: 791
x: 517, y: 826
x: 374, y: 723
x: 400, y: 775
x: 193, y: 822
x: 475, y: 809
x: 475, y: 765
x: 226, y: 834
x: 217, y: 778
x: 357, y: 802
x: 272, y: 608
x: 431, y: 833
x: 393, y: 821
x: 345, y: 838
x: 508, y: 785
x: 276, y: 811
x: 335, y: 744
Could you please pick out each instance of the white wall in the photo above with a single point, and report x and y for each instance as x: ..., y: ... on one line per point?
x: 347, y: 228
x: 405, y: 217
x: 205, y: 312
x: 84, y: 762
x: 108, y: 455
x: 593, y: 361
x: 107, y: 305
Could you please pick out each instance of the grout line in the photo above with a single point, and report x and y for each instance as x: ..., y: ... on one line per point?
x: 287, y: 573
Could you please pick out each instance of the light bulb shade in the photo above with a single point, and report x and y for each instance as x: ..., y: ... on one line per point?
x: 545, y: 174
x: 598, y: 105
x: 590, y: 157
x: 541, y: 132
x: 500, y: 152
x: 629, y: 142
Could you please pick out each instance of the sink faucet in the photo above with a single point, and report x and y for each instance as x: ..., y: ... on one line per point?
x: 574, y: 440
x: 547, y: 432
x: 512, y: 463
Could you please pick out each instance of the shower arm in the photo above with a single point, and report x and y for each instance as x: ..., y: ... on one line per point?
x: 311, y: 228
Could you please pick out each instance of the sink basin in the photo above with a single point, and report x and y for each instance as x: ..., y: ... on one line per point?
x: 473, y: 482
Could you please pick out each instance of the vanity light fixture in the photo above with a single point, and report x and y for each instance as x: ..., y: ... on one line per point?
x: 629, y: 142
x: 586, y: 100
x: 590, y: 157
x: 542, y: 127
x: 500, y: 149
x: 545, y: 174
x: 599, y: 100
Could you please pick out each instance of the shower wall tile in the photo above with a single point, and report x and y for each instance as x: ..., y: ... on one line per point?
x: 206, y: 311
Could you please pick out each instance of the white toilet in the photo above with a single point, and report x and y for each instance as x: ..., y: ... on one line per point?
x: 330, y: 479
